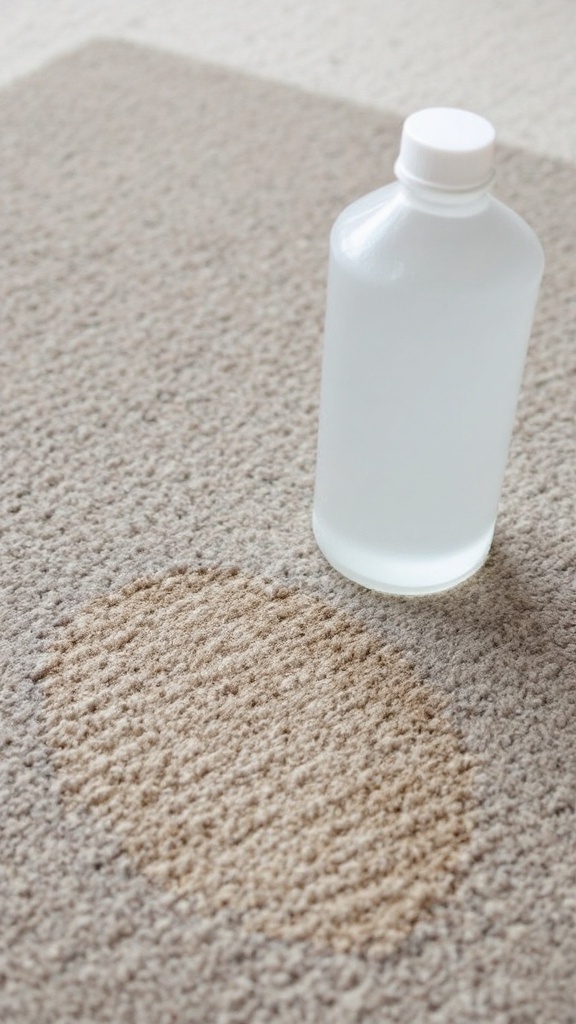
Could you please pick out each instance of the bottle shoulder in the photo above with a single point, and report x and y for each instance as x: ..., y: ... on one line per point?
x: 390, y: 232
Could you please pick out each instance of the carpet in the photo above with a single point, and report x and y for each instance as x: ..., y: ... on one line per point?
x: 236, y: 787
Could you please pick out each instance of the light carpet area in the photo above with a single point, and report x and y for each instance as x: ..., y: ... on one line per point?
x: 512, y: 62
x: 235, y: 787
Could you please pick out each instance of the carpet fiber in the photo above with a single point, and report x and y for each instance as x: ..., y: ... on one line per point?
x: 234, y: 786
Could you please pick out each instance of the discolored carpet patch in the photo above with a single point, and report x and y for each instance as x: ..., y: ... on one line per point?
x: 261, y: 750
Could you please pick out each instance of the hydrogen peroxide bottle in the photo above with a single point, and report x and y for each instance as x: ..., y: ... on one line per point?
x: 432, y: 287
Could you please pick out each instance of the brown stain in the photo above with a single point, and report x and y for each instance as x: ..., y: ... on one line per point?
x: 261, y: 750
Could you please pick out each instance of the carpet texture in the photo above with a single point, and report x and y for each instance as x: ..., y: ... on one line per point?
x: 234, y: 786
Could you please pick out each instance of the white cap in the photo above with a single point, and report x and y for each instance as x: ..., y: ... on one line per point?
x: 446, y: 148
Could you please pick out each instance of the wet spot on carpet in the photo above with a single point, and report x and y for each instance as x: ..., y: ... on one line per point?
x: 263, y: 751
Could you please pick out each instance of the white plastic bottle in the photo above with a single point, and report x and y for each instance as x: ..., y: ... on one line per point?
x: 432, y: 288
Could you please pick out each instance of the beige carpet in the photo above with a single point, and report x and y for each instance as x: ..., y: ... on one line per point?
x: 235, y: 787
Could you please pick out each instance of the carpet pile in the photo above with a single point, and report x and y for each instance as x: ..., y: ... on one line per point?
x: 234, y: 786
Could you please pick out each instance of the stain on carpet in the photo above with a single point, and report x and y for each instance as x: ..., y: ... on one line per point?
x: 263, y: 751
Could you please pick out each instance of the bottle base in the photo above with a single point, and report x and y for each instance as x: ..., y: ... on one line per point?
x: 401, y: 575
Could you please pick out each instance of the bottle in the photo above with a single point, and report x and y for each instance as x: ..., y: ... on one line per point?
x: 432, y: 287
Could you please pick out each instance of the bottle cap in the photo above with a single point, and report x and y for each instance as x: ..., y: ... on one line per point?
x: 446, y: 148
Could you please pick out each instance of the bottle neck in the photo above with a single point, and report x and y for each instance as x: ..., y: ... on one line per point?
x: 442, y: 202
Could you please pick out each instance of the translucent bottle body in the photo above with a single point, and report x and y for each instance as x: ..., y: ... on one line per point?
x: 429, y: 311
